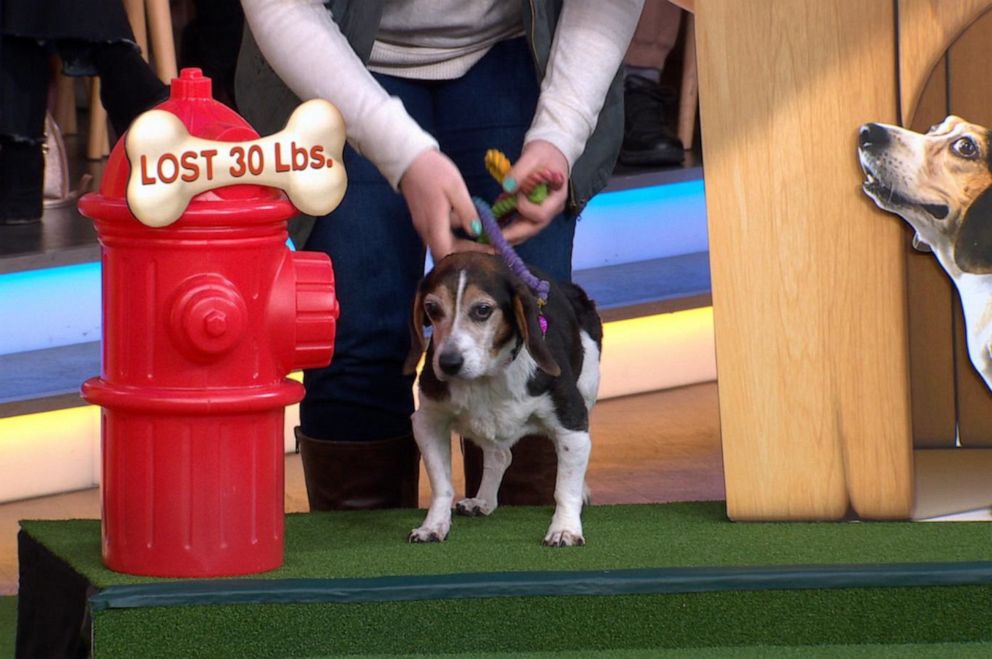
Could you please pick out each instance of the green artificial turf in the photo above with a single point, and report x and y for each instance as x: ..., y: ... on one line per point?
x: 372, y: 544
x: 8, y: 625
x: 905, y: 616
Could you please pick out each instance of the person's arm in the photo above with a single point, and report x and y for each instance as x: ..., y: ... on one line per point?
x: 589, y: 45
x: 305, y: 47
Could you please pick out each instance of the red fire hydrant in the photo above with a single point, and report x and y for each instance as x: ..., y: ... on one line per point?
x: 202, y: 321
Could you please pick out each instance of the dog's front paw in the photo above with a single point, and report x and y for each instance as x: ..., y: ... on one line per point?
x: 564, y: 538
x: 428, y: 534
x: 474, y: 507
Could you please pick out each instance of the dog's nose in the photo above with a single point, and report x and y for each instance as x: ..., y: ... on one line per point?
x: 450, y: 361
x: 873, y: 136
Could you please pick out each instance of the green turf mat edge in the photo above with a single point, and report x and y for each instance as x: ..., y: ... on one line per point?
x: 940, y: 614
x: 533, y: 584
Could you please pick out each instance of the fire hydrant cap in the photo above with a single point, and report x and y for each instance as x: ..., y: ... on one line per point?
x: 191, y: 99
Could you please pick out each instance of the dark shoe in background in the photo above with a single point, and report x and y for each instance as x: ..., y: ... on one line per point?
x: 22, y: 175
x: 648, y: 139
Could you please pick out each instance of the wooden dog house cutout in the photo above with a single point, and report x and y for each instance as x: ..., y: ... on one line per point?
x: 835, y: 342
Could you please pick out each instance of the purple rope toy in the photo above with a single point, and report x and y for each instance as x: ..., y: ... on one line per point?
x: 540, y: 287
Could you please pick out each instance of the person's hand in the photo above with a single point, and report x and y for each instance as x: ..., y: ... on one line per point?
x: 438, y: 201
x: 536, y: 156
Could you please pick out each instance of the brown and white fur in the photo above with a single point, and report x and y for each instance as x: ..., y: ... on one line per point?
x: 940, y: 182
x: 489, y: 374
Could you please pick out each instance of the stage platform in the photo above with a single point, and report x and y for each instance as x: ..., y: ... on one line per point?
x: 653, y: 578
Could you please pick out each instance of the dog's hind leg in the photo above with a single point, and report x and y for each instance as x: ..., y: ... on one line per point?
x: 573, y: 448
x: 495, y: 460
x: 433, y: 435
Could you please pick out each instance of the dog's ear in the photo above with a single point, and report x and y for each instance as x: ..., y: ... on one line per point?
x: 973, y: 247
x: 525, y: 313
x: 418, y: 320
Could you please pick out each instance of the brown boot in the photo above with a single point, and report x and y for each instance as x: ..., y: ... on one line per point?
x: 360, y: 475
x: 530, y: 478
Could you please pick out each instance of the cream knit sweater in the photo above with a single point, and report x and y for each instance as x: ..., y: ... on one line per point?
x: 441, y: 39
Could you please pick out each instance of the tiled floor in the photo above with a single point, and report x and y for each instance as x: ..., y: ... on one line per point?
x: 663, y: 446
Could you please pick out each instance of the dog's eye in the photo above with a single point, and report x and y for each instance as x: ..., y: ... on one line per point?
x: 481, y: 312
x: 965, y: 147
x: 433, y: 310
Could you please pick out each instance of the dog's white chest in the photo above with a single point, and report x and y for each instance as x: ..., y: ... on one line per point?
x: 484, y: 414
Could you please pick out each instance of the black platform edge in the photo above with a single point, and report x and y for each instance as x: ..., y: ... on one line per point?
x: 629, y: 178
x: 648, y: 581
x: 63, y: 237
x: 45, y: 380
x: 50, y: 259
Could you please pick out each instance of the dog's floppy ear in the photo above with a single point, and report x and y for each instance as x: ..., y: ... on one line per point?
x: 418, y: 320
x: 526, y: 315
x: 973, y: 247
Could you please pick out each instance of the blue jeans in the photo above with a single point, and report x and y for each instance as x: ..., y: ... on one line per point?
x: 379, y: 258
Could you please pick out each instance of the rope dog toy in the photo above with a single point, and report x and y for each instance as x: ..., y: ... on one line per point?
x: 536, y: 187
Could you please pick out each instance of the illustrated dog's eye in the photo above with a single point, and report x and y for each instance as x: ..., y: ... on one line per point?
x: 433, y: 310
x: 481, y: 312
x: 965, y: 147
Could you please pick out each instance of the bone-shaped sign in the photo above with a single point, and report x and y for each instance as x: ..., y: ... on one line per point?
x: 169, y: 166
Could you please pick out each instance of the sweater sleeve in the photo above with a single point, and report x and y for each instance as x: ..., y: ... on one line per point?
x: 306, y: 49
x: 589, y: 45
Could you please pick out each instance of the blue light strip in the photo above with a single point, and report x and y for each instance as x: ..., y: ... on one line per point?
x: 49, y: 308
x: 641, y: 224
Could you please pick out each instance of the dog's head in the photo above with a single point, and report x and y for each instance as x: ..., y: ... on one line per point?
x: 940, y: 182
x: 481, y: 315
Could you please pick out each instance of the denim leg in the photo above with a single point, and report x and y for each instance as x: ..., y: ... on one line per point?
x: 378, y: 259
x: 491, y: 107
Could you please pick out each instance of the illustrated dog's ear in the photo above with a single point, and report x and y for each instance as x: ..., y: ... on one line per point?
x: 418, y: 320
x: 525, y: 313
x: 973, y: 247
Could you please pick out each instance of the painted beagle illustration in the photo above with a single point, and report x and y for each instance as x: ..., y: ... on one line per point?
x: 494, y: 374
x: 940, y: 182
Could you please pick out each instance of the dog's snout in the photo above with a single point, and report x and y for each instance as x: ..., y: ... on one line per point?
x: 873, y: 136
x: 450, y: 361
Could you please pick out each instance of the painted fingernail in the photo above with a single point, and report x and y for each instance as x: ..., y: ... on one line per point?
x: 510, y: 184
x: 476, y: 227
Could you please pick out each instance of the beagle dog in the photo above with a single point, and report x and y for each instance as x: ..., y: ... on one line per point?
x: 940, y: 182
x: 492, y: 373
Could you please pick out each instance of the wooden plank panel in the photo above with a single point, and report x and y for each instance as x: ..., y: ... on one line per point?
x: 926, y: 29
x: 808, y: 277
x: 968, y: 60
x: 931, y: 294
